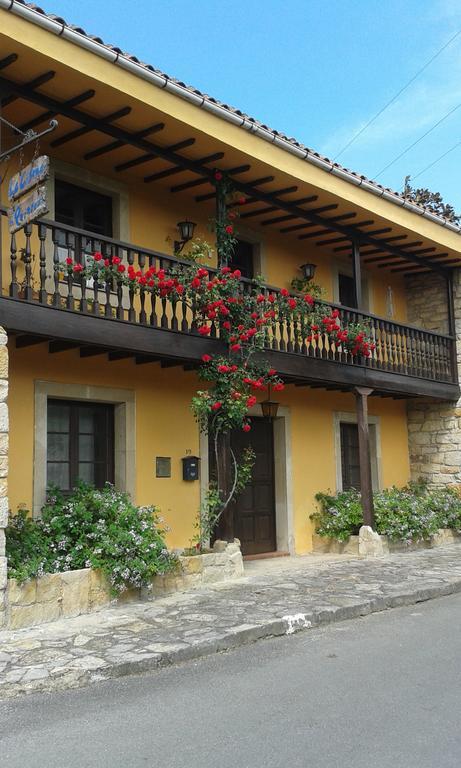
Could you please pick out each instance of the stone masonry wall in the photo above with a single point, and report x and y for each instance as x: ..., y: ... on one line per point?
x: 61, y: 595
x: 434, y: 429
x: 3, y: 468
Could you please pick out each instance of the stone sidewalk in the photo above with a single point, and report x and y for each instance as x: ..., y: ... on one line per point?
x: 275, y: 597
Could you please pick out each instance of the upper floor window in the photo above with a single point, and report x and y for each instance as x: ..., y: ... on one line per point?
x: 84, y: 209
x: 243, y: 258
x: 346, y: 287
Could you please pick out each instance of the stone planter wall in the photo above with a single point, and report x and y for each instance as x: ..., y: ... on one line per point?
x: 61, y: 595
x: 323, y: 545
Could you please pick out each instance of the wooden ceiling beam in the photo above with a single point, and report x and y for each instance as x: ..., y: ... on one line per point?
x: 248, y: 201
x: 35, y: 83
x: 7, y: 60
x: 213, y: 158
x: 49, y: 114
x: 198, y: 182
x: 296, y: 227
x: 147, y: 157
x: 408, y: 268
x: 112, y: 145
x: 72, y: 135
x: 118, y: 355
x: 28, y: 340
x: 92, y: 351
x: 246, y: 188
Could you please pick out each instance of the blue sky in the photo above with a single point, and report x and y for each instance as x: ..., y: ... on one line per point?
x: 314, y: 69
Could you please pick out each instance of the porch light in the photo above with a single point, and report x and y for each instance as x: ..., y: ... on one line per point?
x: 308, y: 270
x: 186, y: 232
x: 269, y: 407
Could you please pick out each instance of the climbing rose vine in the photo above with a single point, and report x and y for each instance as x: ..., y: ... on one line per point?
x: 243, y: 316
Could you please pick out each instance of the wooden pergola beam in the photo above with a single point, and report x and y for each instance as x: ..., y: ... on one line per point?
x: 148, y: 157
x: 197, y: 182
x: 105, y: 148
x: 270, y: 199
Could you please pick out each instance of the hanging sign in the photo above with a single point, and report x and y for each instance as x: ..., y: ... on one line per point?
x: 34, y: 173
x: 27, y: 208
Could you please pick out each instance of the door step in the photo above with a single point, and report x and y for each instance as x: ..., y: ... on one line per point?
x: 266, y: 555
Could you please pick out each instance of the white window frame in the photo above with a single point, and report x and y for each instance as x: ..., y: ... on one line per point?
x: 124, y: 432
x: 375, y: 446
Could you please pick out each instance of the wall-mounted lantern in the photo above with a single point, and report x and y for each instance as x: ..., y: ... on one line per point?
x: 269, y: 407
x: 308, y: 271
x: 186, y: 232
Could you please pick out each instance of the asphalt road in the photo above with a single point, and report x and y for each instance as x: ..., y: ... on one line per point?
x: 379, y: 692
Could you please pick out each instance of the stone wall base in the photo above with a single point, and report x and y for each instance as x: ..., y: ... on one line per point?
x: 376, y: 545
x: 61, y: 595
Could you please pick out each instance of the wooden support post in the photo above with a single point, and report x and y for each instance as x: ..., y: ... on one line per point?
x: 452, y: 326
x: 221, y: 211
x: 366, y: 487
x: 225, y: 526
x: 357, y: 272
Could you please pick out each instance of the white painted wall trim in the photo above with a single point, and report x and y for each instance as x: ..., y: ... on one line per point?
x: 124, y: 432
x: 375, y: 446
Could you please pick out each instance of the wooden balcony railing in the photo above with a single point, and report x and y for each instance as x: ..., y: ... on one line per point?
x: 36, y: 253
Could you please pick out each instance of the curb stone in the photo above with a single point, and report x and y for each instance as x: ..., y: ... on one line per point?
x: 70, y: 678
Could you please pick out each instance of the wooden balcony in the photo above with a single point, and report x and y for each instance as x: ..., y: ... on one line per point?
x: 38, y: 304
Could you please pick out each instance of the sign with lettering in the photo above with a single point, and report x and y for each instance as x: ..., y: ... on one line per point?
x: 34, y: 173
x: 28, y: 208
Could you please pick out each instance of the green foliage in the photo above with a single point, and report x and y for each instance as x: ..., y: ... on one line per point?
x: 431, y: 200
x: 412, y: 513
x: 338, y: 516
x: 100, y: 529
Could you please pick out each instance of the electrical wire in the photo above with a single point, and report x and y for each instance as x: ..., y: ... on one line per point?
x: 394, y: 98
x: 434, y: 162
x: 414, y: 143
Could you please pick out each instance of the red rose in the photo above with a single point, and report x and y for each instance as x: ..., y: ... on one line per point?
x: 284, y: 292
x: 204, y: 330
x: 235, y: 347
x: 180, y: 289
x: 229, y: 229
x: 292, y: 303
x: 116, y: 260
x: 236, y: 395
x: 237, y: 273
x: 241, y: 200
x: 279, y: 386
x: 216, y: 406
x: 78, y: 268
x: 246, y: 427
x: 218, y: 175
x: 97, y: 256
x: 271, y: 298
x: 69, y: 261
x: 206, y: 358
x: 260, y: 298
x: 308, y: 299
x: 223, y: 369
x: 226, y: 325
x: 106, y: 263
x: 121, y: 269
x: 272, y: 372
x: 251, y: 400
x: 195, y: 283
x: 226, y: 270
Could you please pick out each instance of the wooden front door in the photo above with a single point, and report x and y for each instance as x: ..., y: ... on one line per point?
x: 254, y: 508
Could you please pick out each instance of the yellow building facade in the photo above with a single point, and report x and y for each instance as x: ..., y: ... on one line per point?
x: 123, y: 183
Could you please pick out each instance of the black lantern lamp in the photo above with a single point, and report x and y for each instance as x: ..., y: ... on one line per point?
x: 186, y: 232
x: 269, y: 407
x: 308, y: 271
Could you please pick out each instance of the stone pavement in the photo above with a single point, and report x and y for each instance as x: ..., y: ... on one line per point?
x: 275, y: 597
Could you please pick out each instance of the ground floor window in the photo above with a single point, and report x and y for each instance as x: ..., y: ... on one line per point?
x: 350, y: 462
x: 80, y: 443
x: 347, y: 451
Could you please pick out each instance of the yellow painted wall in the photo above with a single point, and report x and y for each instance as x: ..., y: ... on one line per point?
x: 313, y: 448
x: 165, y: 427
